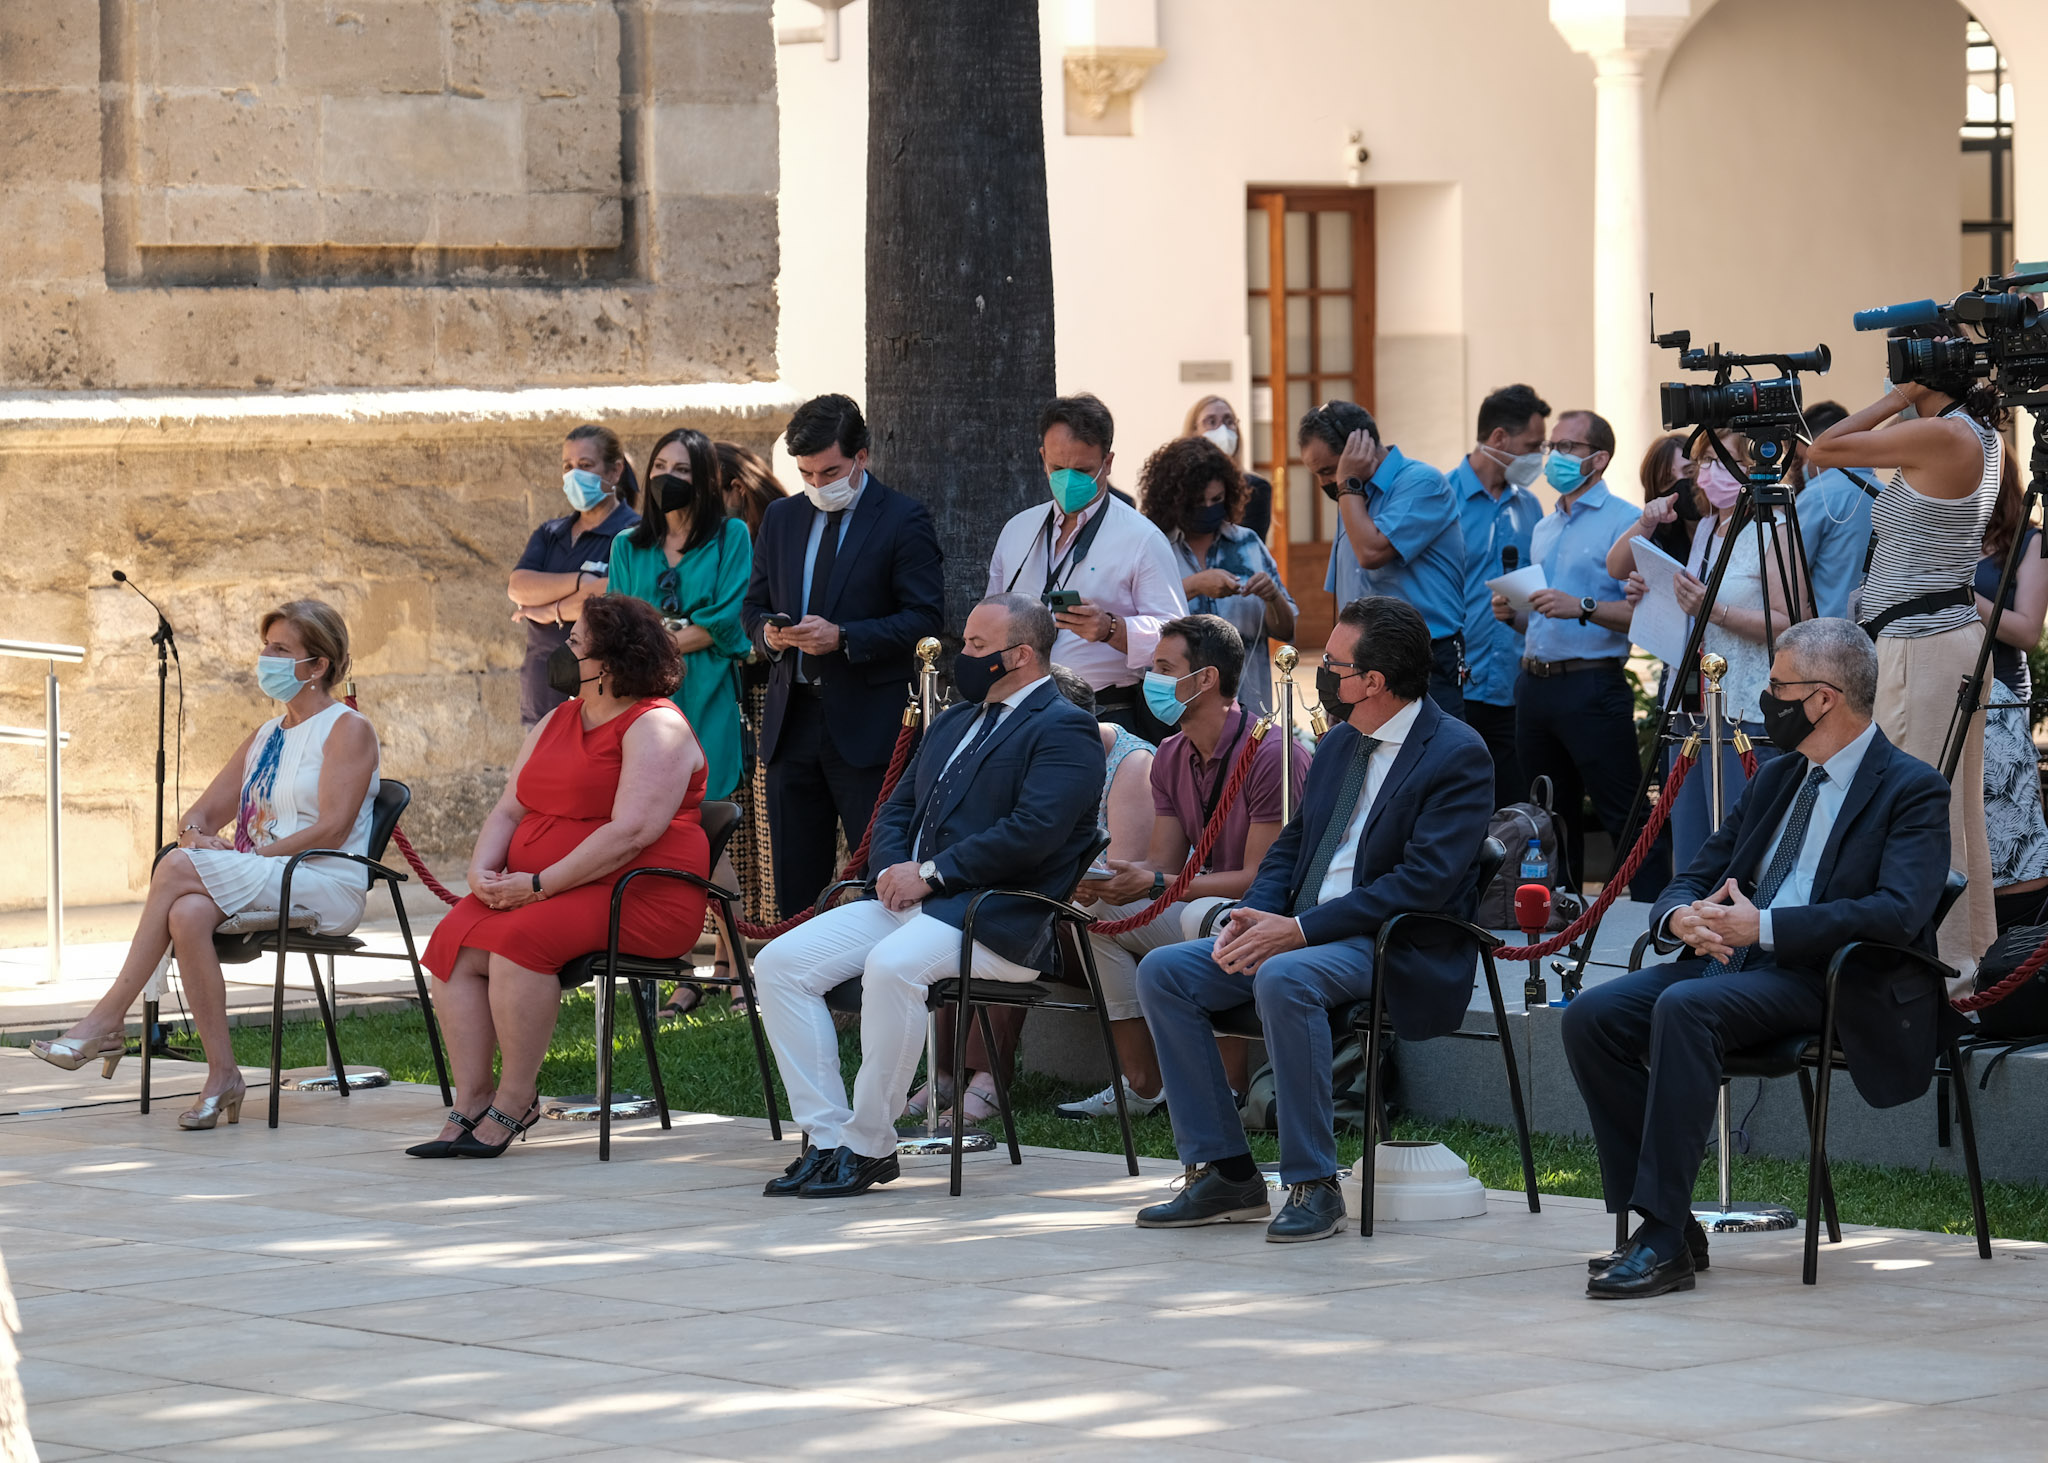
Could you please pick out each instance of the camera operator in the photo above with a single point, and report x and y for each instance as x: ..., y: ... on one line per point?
x: 1834, y: 520
x: 1918, y: 604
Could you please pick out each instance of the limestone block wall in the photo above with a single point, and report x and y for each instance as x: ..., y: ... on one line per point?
x: 405, y: 511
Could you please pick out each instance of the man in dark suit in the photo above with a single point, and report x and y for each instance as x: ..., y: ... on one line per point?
x: 1846, y: 841
x: 848, y: 577
x: 1391, y: 819
x: 1002, y: 794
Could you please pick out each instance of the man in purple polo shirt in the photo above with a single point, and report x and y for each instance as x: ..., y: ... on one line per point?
x: 1193, y: 686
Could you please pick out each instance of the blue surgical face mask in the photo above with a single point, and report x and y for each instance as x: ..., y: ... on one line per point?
x: 1162, y: 698
x: 1564, y: 471
x: 1072, y: 489
x: 275, y: 677
x: 584, y: 490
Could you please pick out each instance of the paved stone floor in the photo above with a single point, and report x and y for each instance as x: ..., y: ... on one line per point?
x: 253, y: 1294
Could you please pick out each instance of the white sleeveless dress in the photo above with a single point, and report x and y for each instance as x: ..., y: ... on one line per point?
x: 333, y: 890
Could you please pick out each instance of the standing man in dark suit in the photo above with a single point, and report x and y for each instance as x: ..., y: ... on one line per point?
x: 1391, y: 819
x: 1846, y: 841
x: 1002, y: 794
x: 848, y: 577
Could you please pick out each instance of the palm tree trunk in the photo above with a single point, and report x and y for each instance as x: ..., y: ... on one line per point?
x: 959, y: 269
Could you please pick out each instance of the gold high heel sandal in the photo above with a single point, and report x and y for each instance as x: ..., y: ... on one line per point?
x: 73, y: 1052
x: 208, y: 1110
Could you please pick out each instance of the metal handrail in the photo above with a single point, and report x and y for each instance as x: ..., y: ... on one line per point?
x: 39, y: 650
x: 52, y: 739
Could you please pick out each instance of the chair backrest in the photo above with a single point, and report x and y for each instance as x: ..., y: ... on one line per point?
x: 1951, y: 890
x: 393, y: 797
x: 1492, y: 854
x: 720, y: 820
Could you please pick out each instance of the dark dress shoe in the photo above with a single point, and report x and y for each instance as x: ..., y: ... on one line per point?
x: 1637, y: 1275
x: 1314, y: 1210
x: 1207, y: 1197
x: 1695, y: 1243
x: 808, y: 1166
x: 846, y: 1172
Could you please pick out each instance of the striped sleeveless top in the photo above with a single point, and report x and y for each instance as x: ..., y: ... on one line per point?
x: 1925, y: 545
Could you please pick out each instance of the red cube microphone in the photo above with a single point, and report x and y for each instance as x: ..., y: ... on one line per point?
x: 1532, y: 917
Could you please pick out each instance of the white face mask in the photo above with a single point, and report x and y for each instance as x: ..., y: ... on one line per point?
x: 1522, y: 470
x: 832, y: 497
x: 1224, y: 437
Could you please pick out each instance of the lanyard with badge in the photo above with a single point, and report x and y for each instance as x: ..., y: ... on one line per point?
x: 1058, y: 573
x: 1223, y: 766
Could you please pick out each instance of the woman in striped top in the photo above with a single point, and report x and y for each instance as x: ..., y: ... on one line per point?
x: 1917, y: 602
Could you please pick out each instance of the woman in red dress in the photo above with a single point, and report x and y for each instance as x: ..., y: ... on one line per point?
x: 610, y: 780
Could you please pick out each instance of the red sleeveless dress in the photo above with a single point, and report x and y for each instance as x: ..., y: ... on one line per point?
x: 568, y: 787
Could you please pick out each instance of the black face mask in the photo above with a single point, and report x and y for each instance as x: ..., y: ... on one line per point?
x: 1682, y: 498
x: 565, y: 671
x: 1209, y: 518
x: 974, y: 674
x: 1785, y: 722
x: 673, y: 494
x: 1330, y: 694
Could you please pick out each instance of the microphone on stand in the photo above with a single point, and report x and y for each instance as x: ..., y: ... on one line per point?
x: 1532, y: 918
x: 165, y: 635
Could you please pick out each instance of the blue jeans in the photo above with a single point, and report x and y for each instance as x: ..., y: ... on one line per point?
x: 1180, y: 985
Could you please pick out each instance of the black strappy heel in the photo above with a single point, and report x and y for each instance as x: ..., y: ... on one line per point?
x: 439, y: 1147
x: 469, y: 1146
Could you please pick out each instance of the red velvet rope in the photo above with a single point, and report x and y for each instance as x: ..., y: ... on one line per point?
x: 1199, y: 854
x: 2028, y: 969
x: 1652, y: 826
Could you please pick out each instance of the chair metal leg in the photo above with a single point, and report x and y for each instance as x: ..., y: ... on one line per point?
x: 277, y: 1035
x: 1827, y: 1177
x: 1507, y: 1053
x: 988, y: 1043
x: 1116, y: 1066
x: 605, y: 992
x: 1966, y: 1120
x: 1368, y: 1160
x: 419, y: 982
x: 643, y: 993
x: 149, y: 1013
x: 327, y: 1025
x: 745, y: 970
x: 961, y: 1007
x: 1817, y: 1156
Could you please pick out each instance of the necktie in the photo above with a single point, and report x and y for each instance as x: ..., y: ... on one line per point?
x: 1348, y: 793
x: 821, y: 580
x: 960, y: 769
x: 1786, y: 856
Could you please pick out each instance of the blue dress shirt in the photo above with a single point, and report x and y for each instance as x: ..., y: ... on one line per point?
x: 1411, y: 503
x: 1571, y: 544
x: 817, y: 537
x: 1827, y: 806
x: 1493, y: 650
x: 1834, y: 520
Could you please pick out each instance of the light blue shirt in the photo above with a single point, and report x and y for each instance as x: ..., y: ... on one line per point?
x: 1834, y: 521
x: 1827, y: 806
x: 818, y: 537
x: 1493, y: 649
x: 1411, y: 503
x: 1571, y: 544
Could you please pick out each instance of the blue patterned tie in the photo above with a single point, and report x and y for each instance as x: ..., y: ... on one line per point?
x: 961, y: 766
x: 1785, y: 857
x: 1348, y: 792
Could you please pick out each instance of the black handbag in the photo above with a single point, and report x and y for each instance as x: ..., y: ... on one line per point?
x: 2025, y: 1011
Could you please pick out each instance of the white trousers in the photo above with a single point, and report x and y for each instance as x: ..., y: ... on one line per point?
x: 897, y: 957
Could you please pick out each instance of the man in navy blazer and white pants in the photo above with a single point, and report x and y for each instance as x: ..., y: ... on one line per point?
x: 1846, y: 841
x: 1003, y: 794
x: 1392, y: 817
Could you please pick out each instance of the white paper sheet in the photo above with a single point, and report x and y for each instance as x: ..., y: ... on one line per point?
x: 1659, y: 625
x: 1516, y: 588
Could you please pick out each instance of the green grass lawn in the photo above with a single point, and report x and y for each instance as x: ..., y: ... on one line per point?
x: 707, y: 1060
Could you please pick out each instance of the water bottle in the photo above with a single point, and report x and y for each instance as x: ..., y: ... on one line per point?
x: 1535, y: 867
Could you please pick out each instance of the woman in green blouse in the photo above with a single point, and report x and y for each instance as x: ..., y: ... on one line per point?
x: 692, y: 563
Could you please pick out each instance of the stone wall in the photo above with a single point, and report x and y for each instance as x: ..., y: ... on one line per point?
x: 299, y: 298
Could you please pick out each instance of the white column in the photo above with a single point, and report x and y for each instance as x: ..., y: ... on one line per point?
x: 1623, y: 37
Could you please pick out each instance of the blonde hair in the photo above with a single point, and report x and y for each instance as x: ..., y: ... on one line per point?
x: 321, y: 628
x: 1188, y: 427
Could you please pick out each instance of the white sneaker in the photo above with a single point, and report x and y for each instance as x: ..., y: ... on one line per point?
x: 1103, y: 1104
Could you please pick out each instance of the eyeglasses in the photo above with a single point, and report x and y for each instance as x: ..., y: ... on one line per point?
x: 668, y: 585
x: 1777, y: 687
x: 1349, y: 665
x: 1573, y: 449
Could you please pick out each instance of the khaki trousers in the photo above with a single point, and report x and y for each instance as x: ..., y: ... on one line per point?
x: 1916, y: 697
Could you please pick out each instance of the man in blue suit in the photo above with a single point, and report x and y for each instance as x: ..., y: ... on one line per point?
x: 848, y: 577
x: 1391, y: 819
x: 1002, y: 794
x: 1846, y: 841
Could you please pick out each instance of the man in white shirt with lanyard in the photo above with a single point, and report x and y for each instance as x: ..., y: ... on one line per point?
x: 1106, y: 572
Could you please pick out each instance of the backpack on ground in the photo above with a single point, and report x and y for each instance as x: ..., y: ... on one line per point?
x: 2025, y: 1011
x: 1514, y: 826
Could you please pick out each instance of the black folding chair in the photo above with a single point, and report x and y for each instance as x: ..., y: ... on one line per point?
x: 644, y: 973
x: 293, y: 932
x: 1813, y: 1058
x: 1045, y: 995
x: 1368, y: 1020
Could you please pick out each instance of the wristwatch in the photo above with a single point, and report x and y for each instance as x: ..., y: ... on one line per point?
x: 1352, y: 486
x: 929, y: 872
x: 1158, y: 883
x: 1586, y: 608
x: 536, y: 887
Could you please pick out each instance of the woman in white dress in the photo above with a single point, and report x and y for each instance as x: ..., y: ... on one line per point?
x: 305, y: 779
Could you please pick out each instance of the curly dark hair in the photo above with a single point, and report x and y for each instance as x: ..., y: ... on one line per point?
x: 1175, y: 479
x: 627, y: 638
